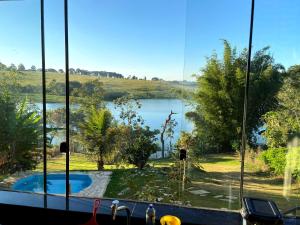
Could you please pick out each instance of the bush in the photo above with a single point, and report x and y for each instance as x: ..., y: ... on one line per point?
x: 275, y: 159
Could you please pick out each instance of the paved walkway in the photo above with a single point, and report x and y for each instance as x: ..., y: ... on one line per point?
x: 100, y: 180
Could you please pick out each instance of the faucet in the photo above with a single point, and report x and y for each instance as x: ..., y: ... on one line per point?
x: 115, y: 208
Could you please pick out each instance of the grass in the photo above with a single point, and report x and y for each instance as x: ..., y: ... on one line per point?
x: 112, y: 87
x: 219, y: 175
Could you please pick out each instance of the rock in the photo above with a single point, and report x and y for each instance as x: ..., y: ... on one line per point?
x: 227, y: 200
x: 231, y: 197
x: 199, y: 192
x: 159, y: 199
x: 218, y: 196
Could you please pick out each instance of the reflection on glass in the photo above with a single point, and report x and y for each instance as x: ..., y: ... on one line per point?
x: 20, y: 89
x: 272, y: 165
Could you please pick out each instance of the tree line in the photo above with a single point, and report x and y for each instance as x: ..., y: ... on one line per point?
x: 78, y: 71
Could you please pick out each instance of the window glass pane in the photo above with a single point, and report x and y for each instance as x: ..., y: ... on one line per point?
x: 215, y: 59
x: 127, y: 79
x: 135, y: 63
x: 56, y: 92
x: 21, y: 128
x: 273, y: 158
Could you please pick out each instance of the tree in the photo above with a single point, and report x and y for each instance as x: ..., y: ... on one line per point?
x: 128, y: 108
x: 72, y: 71
x: 97, y: 134
x: 139, y: 144
x: 170, y: 132
x: 92, y: 94
x: 51, y: 70
x: 21, y: 67
x: 136, y: 142
x: 19, y: 128
x: 78, y: 71
x: 283, y: 123
x: 2, y: 66
x: 61, y: 71
x: 12, y: 67
x: 220, y: 92
x: 33, y: 68
x: 168, y: 125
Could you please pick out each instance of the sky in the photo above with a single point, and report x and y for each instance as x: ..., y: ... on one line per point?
x: 169, y: 39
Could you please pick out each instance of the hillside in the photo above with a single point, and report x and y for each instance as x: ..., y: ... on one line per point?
x: 31, y: 84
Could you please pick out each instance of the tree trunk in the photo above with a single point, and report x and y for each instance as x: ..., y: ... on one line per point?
x: 163, y: 132
x: 100, y: 165
x: 162, y: 145
x: 100, y: 162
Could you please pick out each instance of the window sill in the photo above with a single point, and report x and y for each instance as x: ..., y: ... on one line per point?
x: 53, y: 210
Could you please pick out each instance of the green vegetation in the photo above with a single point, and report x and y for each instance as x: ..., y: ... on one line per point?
x: 97, y: 134
x: 220, y: 93
x: 283, y: 124
x: 31, y: 85
x: 213, y: 163
x: 19, y: 129
x: 275, y: 158
x: 219, y: 172
x: 136, y: 142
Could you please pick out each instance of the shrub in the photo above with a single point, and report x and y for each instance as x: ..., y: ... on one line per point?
x: 275, y: 159
x: 138, y: 144
x: 254, y: 162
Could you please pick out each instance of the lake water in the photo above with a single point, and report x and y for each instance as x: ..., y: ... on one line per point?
x: 153, y: 111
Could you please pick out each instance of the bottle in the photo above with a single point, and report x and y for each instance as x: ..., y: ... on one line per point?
x: 150, y: 215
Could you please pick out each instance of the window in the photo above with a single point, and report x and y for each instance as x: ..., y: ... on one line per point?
x: 155, y: 98
x: 21, y: 130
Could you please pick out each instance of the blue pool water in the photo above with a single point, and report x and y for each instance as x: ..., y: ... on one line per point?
x: 56, y: 183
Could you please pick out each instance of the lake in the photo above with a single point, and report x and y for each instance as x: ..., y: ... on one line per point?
x: 153, y: 111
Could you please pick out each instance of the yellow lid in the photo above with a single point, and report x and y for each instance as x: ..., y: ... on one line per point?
x: 170, y: 220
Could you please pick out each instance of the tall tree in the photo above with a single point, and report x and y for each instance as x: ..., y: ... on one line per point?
x: 12, y: 67
x: 283, y: 123
x: 220, y: 93
x: 33, y: 68
x: 164, y: 127
x: 21, y: 67
x: 3, y: 66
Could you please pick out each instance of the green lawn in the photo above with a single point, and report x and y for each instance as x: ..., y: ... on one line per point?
x: 219, y: 176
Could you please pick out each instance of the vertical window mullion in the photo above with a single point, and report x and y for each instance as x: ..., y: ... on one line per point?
x: 44, y: 97
x: 67, y: 97
x: 243, y: 147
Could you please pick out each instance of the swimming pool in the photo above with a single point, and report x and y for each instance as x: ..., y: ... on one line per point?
x: 56, y: 183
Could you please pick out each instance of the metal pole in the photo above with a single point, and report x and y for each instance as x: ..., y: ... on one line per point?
x: 244, y: 137
x: 44, y: 97
x: 67, y: 99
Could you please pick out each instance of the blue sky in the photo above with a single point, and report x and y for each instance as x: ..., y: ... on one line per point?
x: 165, y: 38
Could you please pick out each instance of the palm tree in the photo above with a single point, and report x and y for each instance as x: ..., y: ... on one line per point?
x: 97, y: 134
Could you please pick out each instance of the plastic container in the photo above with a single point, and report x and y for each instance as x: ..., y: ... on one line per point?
x: 150, y: 215
x: 93, y: 220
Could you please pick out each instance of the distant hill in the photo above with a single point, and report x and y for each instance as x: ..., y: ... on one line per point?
x: 31, y: 85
